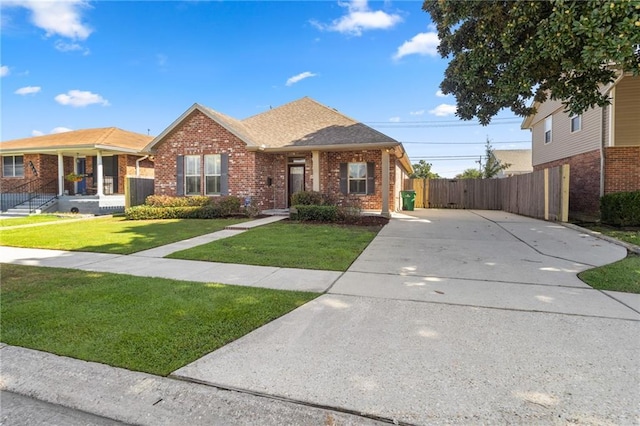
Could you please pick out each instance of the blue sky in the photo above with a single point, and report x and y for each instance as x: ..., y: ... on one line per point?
x: 139, y: 65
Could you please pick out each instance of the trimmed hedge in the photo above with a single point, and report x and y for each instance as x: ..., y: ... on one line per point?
x: 316, y: 213
x: 307, y: 198
x: 198, y: 207
x: 621, y: 209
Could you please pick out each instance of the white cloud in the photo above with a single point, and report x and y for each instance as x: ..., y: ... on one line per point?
x: 419, y: 112
x: 78, y: 98
x: 28, y: 90
x: 421, y: 44
x: 60, y: 130
x: 4, y: 71
x: 37, y: 133
x: 443, y: 110
x: 394, y: 119
x: 63, y: 18
x: 440, y: 94
x: 359, y: 18
x: 296, y: 78
x: 70, y: 47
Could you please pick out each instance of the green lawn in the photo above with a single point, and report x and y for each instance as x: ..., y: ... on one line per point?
x: 145, y: 324
x: 111, y: 234
x: 623, y: 275
x: 288, y: 245
x: 28, y: 220
x: 629, y: 235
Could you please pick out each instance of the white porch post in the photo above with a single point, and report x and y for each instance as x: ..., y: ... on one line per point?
x: 385, y: 183
x: 98, y: 175
x: 315, y: 157
x: 60, y: 174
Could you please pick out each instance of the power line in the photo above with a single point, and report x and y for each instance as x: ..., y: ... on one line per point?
x: 463, y: 143
x: 416, y: 126
x: 515, y: 119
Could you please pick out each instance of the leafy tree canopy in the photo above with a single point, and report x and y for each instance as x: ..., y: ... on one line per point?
x: 422, y: 170
x: 503, y: 53
x: 470, y: 174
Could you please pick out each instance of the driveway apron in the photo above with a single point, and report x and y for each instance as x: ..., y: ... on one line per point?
x: 454, y: 317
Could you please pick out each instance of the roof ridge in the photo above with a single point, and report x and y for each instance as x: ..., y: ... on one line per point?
x: 106, y: 134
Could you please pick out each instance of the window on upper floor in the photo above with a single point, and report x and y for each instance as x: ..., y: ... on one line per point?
x: 13, y: 166
x: 576, y: 123
x: 547, y: 129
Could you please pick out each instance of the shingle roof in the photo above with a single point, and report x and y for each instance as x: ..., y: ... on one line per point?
x: 105, y: 137
x: 520, y: 159
x: 306, y: 122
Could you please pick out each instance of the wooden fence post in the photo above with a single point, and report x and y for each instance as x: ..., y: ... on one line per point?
x: 546, y: 194
x: 564, y: 201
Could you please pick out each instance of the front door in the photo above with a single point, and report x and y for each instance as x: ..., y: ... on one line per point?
x: 81, y: 167
x: 296, y: 180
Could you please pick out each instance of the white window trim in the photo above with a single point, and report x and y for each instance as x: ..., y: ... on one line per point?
x: 187, y: 175
x: 573, y: 117
x: 218, y: 174
x: 548, y: 128
x: 349, y: 178
x: 13, y: 167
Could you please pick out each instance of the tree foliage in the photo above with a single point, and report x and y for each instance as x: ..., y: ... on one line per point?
x: 422, y: 170
x: 492, y: 166
x: 470, y: 174
x: 503, y: 53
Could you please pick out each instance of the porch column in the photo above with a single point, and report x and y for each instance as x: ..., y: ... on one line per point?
x: 315, y: 157
x: 60, y: 174
x: 98, y: 175
x: 385, y: 183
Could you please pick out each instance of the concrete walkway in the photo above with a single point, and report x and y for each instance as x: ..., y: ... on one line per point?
x: 448, y: 317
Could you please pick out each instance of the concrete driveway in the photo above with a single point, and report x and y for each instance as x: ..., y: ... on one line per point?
x: 454, y: 317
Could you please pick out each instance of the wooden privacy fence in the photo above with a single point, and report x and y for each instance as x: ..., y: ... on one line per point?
x: 137, y: 190
x: 542, y: 194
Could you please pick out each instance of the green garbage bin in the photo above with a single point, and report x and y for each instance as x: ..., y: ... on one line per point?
x: 408, y: 199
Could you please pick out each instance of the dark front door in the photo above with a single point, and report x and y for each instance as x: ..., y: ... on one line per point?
x: 296, y: 180
x: 81, y: 167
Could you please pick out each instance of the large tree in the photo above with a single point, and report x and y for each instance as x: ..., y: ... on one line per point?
x: 503, y: 53
x: 422, y: 170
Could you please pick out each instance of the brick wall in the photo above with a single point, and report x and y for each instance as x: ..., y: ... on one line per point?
x: 584, y: 182
x: 46, y: 167
x: 622, y: 169
x: 199, y: 135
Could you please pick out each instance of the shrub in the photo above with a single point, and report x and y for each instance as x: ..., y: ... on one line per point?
x: 350, y: 208
x: 307, y: 198
x: 621, y: 209
x: 189, y: 212
x: 167, y: 201
x: 229, y: 205
x: 315, y: 213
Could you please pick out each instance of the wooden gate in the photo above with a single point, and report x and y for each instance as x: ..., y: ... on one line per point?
x: 137, y: 190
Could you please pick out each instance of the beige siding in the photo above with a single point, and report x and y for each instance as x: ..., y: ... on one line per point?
x: 627, y: 112
x: 564, y: 143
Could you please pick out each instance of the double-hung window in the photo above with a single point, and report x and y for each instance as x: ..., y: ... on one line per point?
x: 192, y: 176
x: 357, y: 178
x: 13, y: 166
x: 547, y: 129
x: 576, y: 123
x: 212, y: 174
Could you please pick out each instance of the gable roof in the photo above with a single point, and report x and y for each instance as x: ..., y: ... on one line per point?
x: 304, y: 123
x: 106, y: 138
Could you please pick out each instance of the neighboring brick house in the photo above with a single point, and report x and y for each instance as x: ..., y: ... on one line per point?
x: 302, y: 145
x: 602, y: 146
x: 44, y: 161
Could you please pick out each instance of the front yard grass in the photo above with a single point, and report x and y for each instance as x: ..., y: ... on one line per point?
x: 153, y: 325
x: 629, y: 235
x: 623, y: 276
x: 288, y: 245
x: 112, y: 234
x: 28, y: 220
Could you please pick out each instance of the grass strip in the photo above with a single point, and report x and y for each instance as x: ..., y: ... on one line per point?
x: 152, y: 325
x: 112, y: 234
x: 623, y: 276
x: 288, y: 245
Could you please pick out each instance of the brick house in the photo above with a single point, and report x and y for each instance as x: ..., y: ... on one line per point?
x: 103, y: 157
x: 302, y: 145
x: 602, y: 145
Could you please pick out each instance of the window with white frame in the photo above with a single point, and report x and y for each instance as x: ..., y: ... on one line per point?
x: 192, y: 176
x: 212, y: 173
x: 357, y: 178
x: 13, y: 166
x: 547, y: 129
x: 576, y: 123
